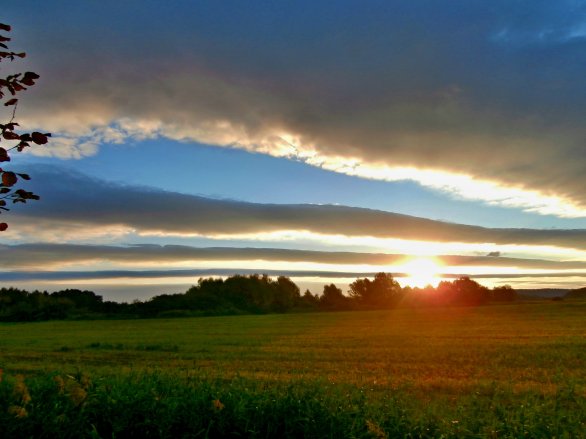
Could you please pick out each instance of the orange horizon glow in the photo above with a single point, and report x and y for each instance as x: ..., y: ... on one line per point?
x: 421, y: 272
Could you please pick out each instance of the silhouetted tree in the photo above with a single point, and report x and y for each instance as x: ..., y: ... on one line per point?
x: 49, y: 307
x: 503, y: 294
x: 359, y: 290
x: 333, y: 298
x: 287, y: 294
x: 207, y: 295
x: 309, y: 300
x: 463, y: 291
x: 382, y: 292
x: 254, y: 293
x: 11, y: 85
x: 251, y: 293
x: 84, y: 300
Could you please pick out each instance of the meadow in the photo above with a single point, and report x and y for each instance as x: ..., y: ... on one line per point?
x: 515, y: 370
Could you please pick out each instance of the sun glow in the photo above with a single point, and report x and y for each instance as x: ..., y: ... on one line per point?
x: 421, y: 272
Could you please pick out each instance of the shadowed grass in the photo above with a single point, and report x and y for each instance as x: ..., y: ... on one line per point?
x: 162, y: 405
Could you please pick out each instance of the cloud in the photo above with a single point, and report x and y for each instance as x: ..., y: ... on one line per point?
x: 73, y: 200
x: 46, y: 255
x: 481, y: 103
x: 19, y: 276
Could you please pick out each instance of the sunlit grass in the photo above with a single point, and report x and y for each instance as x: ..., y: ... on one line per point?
x: 507, y: 368
x: 516, y: 343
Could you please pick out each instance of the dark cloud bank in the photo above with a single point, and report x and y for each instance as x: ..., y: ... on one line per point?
x: 72, y: 198
x: 493, y: 90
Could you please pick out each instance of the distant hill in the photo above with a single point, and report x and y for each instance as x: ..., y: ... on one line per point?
x: 579, y: 293
x: 543, y: 293
x: 550, y: 293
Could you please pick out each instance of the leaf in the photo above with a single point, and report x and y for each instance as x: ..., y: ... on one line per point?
x: 39, y: 138
x: 26, y: 195
x: 29, y: 78
x: 21, y: 146
x: 3, y: 227
x: 4, y: 157
x: 9, y: 179
x: 10, y: 135
x: 24, y: 176
x: 31, y: 75
x: 5, y: 27
x: 12, y: 101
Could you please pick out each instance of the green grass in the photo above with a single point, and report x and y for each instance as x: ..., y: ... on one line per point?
x: 497, y: 371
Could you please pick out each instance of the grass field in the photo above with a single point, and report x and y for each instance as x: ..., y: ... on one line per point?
x: 496, y: 371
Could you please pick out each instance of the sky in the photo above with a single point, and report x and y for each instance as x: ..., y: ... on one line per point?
x: 323, y: 141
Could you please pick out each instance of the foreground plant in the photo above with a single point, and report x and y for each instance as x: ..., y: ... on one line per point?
x: 9, y: 87
x: 158, y: 405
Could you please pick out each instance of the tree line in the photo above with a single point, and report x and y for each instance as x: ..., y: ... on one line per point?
x: 254, y: 294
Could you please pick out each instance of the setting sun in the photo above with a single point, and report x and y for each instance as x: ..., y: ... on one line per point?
x: 421, y: 272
